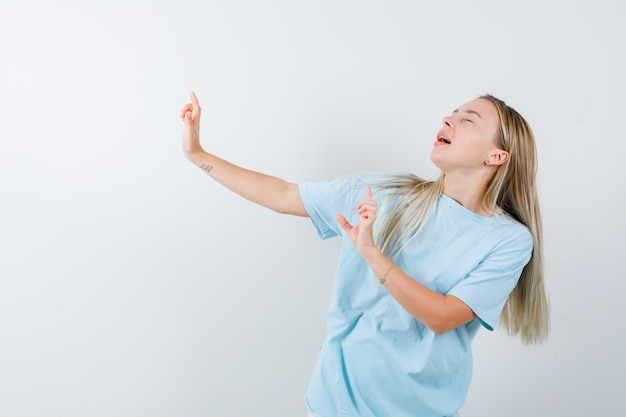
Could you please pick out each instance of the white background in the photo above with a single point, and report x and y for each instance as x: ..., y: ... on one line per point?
x: 133, y: 285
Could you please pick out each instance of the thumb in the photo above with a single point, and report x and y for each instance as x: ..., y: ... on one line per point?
x: 188, y: 118
x: 343, y: 222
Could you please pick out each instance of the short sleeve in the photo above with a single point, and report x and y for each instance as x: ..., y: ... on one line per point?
x: 324, y: 200
x: 486, y: 289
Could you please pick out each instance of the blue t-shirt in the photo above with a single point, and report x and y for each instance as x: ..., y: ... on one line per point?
x: 378, y: 360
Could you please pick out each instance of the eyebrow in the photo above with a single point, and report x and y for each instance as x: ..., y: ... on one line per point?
x: 469, y: 111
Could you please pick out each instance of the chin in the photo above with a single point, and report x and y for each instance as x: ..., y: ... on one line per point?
x: 434, y: 160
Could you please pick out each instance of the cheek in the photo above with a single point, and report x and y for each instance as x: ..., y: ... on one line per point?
x: 481, y: 144
x: 477, y: 151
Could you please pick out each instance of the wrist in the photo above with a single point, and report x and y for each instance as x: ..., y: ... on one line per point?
x: 371, y: 254
x: 196, y: 156
x: 379, y: 263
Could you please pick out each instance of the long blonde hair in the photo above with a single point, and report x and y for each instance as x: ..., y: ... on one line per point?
x: 511, y: 190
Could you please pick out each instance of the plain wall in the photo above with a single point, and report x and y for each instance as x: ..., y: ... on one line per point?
x: 133, y: 285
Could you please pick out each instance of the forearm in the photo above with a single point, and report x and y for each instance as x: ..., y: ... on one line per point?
x: 438, y: 312
x: 268, y: 191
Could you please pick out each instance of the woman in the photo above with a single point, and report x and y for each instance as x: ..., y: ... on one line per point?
x: 421, y: 273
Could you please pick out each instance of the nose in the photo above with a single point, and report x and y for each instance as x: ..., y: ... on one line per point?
x: 447, y: 121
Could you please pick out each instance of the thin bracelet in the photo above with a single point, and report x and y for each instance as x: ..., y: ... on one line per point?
x: 384, y: 278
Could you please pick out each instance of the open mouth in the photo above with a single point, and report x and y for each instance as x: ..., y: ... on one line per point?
x: 443, y: 139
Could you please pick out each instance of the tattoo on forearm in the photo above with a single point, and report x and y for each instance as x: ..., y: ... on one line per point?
x: 206, y: 168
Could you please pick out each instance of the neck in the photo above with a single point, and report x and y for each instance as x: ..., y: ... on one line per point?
x: 467, y: 190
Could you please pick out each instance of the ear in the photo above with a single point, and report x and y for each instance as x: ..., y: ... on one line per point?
x: 497, y: 158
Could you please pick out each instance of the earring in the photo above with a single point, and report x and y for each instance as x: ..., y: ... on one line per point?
x: 487, y: 162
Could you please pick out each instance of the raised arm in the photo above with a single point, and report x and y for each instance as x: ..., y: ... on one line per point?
x: 271, y: 192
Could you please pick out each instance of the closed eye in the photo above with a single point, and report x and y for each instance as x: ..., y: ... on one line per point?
x: 469, y: 111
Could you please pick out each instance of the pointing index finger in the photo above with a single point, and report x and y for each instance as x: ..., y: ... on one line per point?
x: 194, y: 101
x: 368, y: 193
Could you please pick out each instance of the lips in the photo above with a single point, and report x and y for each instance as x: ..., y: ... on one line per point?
x: 443, y: 138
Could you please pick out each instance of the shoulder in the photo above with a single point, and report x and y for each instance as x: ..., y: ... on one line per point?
x: 512, y: 228
x: 512, y: 238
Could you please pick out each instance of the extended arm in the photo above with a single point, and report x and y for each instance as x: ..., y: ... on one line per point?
x: 438, y: 312
x: 271, y: 192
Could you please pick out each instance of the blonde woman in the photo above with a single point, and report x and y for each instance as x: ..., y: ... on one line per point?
x: 424, y: 264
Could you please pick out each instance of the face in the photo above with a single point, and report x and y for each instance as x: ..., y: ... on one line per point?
x: 468, y: 138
